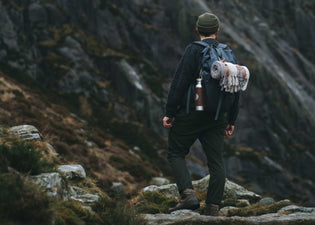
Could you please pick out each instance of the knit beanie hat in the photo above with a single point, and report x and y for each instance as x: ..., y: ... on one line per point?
x: 207, y: 23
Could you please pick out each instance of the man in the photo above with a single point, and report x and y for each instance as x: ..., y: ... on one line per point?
x: 185, y: 127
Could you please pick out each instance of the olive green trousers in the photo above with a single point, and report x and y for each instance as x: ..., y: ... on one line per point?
x: 184, y: 132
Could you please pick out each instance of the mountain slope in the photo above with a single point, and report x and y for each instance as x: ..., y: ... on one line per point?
x: 110, y: 63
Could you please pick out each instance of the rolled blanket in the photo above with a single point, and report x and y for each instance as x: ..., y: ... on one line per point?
x: 233, y: 78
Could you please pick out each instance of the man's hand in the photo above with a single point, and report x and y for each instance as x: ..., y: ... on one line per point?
x: 229, y: 130
x: 167, y: 122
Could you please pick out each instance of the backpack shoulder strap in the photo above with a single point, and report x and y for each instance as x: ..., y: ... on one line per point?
x: 202, y: 43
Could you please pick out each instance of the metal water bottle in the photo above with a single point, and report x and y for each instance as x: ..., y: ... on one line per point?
x: 199, y: 98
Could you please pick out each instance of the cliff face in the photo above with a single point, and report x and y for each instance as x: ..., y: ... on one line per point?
x: 111, y: 62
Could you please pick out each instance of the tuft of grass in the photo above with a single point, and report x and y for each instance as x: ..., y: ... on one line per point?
x: 71, y: 213
x: 228, y: 202
x: 116, y: 212
x: 22, y: 202
x: 153, y: 202
x: 258, y: 209
x: 24, y: 157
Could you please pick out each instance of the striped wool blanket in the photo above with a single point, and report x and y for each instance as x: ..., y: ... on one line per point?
x: 233, y: 78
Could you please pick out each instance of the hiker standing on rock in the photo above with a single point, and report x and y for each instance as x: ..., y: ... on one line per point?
x: 186, y: 124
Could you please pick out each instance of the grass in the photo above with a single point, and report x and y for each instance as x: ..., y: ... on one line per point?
x: 22, y: 202
x: 153, y: 202
x: 116, y: 212
x: 24, y: 157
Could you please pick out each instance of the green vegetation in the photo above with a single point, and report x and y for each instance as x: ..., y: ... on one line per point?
x: 116, y: 212
x: 24, y: 157
x: 22, y: 202
x: 71, y: 213
x: 153, y: 202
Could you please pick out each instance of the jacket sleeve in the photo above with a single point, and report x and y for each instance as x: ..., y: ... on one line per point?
x: 183, y: 77
x: 232, y: 114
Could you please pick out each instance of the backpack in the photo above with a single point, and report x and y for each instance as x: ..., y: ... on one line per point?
x: 216, y: 99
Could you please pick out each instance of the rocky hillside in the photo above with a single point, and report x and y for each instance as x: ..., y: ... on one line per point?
x: 239, y: 206
x: 93, y: 77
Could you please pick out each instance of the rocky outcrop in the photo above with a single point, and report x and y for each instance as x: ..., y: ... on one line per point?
x: 267, y: 211
x: 79, y: 194
x: 25, y: 132
x: 119, y: 59
x: 232, y: 190
x: 52, y: 184
x: 187, y: 217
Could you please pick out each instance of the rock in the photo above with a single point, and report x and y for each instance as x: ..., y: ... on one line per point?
x: 202, y: 184
x: 89, y: 209
x: 52, y: 184
x: 25, y: 132
x: 187, y: 217
x: 79, y: 194
x: 118, y: 188
x: 72, y: 171
x: 267, y: 201
x: 37, y: 15
x: 294, y: 208
x: 12, y: 170
x: 284, y: 200
x: 232, y: 190
x: 169, y: 190
x: 51, y: 149
x: 242, y: 203
x: 159, y: 181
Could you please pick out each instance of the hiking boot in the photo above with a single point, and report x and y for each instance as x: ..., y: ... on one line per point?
x: 188, y: 201
x: 211, y: 210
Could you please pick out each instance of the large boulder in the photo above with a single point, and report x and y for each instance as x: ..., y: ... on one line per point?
x: 72, y: 171
x: 25, y: 132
